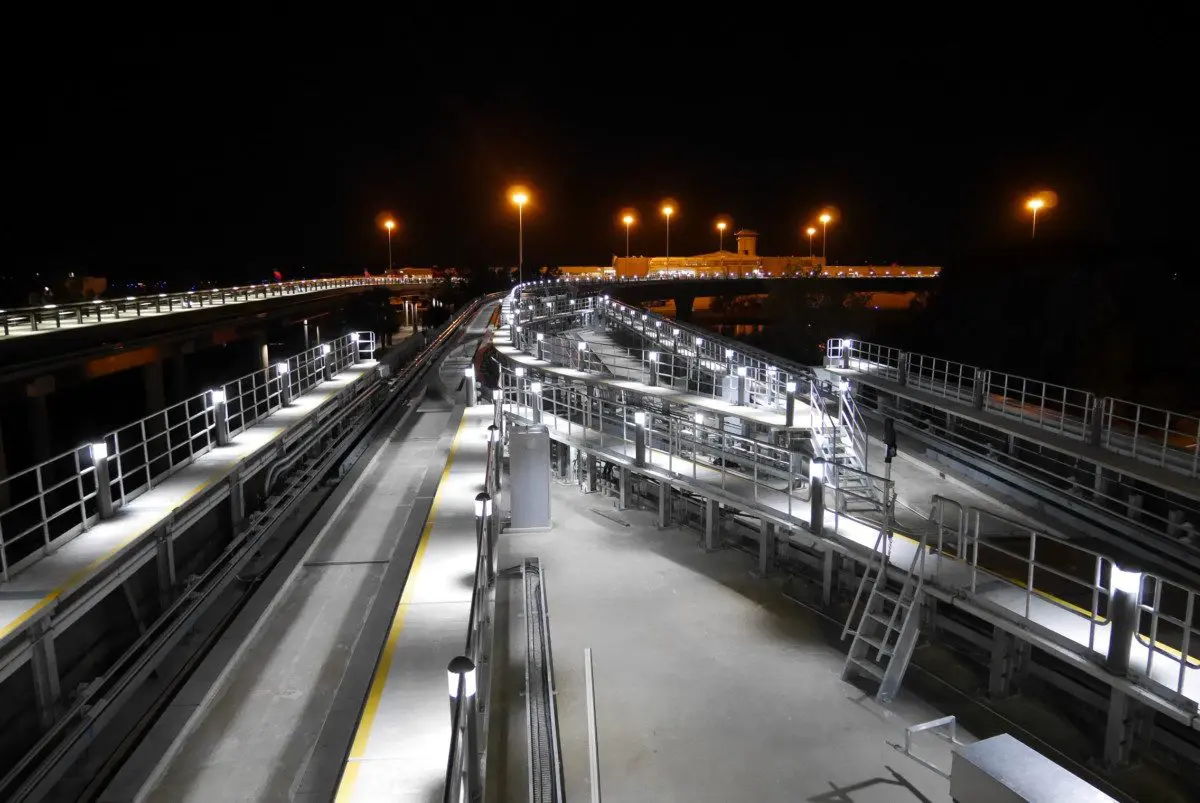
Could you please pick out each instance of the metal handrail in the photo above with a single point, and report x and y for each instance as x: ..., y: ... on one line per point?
x: 57, y: 498
x: 1149, y: 434
x: 35, y: 318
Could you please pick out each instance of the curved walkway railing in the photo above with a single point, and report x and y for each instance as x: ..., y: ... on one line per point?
x: 47, y: 317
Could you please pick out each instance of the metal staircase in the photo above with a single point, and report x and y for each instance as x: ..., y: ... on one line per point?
x: 887, y: 628
x: 839, y: 437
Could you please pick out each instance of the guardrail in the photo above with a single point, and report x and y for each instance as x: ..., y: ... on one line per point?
x: 972, y: 545
x: 50, y: 503
x: 1148, y: 434
x: 38, y: 318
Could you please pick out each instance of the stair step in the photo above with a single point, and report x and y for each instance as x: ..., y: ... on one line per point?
x: 872, y: 669
x: 882, y: 646
x: 893, y: 598
x: 886, y: 621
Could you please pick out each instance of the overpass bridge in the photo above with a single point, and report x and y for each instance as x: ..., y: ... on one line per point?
x: 278, y: 619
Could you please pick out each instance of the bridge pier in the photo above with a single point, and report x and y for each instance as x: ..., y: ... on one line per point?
x: 712, y: 525
x: 683, y: 308
x: 664, y: 505
x: 766, y: 547
x: 46, y: 682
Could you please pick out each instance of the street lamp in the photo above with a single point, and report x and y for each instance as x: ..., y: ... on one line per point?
x: 668, y: 210
x: 810, y: 231
x: 628, y: 221
x: 389, y: 225
x: 721, y: 235
x: 520, y: 198
x: 1033, y: 205
x: 825, y: 218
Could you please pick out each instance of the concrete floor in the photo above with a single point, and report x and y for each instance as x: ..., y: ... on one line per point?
x: 710, y: 686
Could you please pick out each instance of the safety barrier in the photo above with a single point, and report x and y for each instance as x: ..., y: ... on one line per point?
x: 1148, y: 434
x: 52, y: 502
x: 38, y: 318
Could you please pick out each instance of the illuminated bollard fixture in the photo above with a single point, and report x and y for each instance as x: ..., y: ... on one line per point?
x: 326, y: 362
x: 639, y: 438
x: 1123, y: 616
x: 469, y: 373
x: 791, y: 404
x: 541, y: 345
x: 220, y: 416
x: 285, y: 384
x: 816, y: 495
x: 355, y: 339
x: 740, y: 379
x: 104, y: 502
x: 483, y: 532
x: 497, y: 453
x: 535, y: 390
x: 652, y: 359
x: 460, y: 676
x: 581, y: 349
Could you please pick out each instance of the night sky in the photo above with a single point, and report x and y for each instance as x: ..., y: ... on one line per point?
x: 229, y: 153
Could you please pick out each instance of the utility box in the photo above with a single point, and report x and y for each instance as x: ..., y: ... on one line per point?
x: 529, y: 477
x: 1003, y: 770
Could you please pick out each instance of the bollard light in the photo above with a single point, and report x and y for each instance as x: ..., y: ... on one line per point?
x: 639, y: 418
x: 653, y: 356
x: 698, y: 418
x: 674, y: 333
x: 541, y: 336
x: 844, y: 386
x: 519, y: 370
x: 281, y: 368
x: 493, y: 433
x: 1126, y: 581
x: 325, y: 349
x: 535, y: 388
x: 729, y: 354
x: 99, y: 451
x: 816, y: 468
x: 790, y: 387
x: 464, y: 668
x: 483, y: 505
x: 699, y: 342
x: 582, y: 346
x: 104, y: 500
x: 741, y: 371
x: 469, y: 372
x: 217, y: 396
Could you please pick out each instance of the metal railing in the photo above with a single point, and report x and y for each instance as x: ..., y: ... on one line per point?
x: 47, y: 504
x: 55, y: 316
x: 1148, y: 434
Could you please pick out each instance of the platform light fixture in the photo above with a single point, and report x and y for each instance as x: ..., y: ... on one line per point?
x: 639, y: 418
x: 535, y: 388
x: 99, y: 450
x: 1129, y: 582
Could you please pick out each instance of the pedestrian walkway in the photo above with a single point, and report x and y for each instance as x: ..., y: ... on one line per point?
x: 70, y: 568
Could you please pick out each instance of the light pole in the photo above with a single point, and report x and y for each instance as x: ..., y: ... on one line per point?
x: 721, y: 235
x: 810, y: 231
x: 389, y: 225
x: 628, y: 221
x: 825, y: 218
x: 520, y: 198
x: 1033, y: 205
x: 668, y: 210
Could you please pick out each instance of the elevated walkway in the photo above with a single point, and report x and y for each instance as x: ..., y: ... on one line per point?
x: 64, y: 580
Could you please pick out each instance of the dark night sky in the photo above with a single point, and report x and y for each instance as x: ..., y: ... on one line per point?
x: 228, y: 153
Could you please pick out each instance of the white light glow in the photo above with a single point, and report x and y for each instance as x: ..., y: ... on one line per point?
x: 281, y: 368
x: 699, y: 342
x: 99, y: 450
x: 468, y: 685
x: 1129, y: 582
x: 698, y: 418
x: 469, y: 372
x: 729, y: 354
x: 816, y: 469
x: 325, y: 349
x: 218, y: 396
x: 582, y: 346
x: 541, y: 336
x: 790, y: 387
x: 653, y: 356
x: 741, y: 371
x: 519, y: 371
x: 639, y: 418
x: 844, y: 385
x: 535, y: 388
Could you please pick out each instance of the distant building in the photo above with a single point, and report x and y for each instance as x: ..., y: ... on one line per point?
x: 747, y: 262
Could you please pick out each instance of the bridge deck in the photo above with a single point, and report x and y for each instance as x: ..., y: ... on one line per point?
x: 1164, y: 478
x: 1057, y: 622
x: 759, y: 415
x: 70, y: 567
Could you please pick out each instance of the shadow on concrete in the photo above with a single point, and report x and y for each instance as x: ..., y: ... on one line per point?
x: 842, y: 794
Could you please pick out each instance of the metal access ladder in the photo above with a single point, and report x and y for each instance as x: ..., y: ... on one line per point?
x: 888, y: 622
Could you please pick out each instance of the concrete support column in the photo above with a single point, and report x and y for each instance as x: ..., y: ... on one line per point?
x: 155, y: 390
x: 44, y: 664
x: 829, y: 576
x: 237, y: 501
x: 625, y: 490
x: 1007, y: 664
x: 1124, y: 724
x: 664, y: 505
x: 165, y: 561
x: 766, y: 547
x: 712, y: 525
x: 1123, y: 616
x: 177, y: 378
x: 39, y: 425
x: 592, y: 468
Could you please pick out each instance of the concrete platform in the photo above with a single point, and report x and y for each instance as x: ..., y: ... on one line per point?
x: 54, y: 576
x: 710, y: 686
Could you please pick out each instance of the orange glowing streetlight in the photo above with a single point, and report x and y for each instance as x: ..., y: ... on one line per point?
x: 810, y: 231
x: 628, y: 221
x: 721, y: 224
x: 824, y: 218
x: 667, y: 211
x: 1033, y: 205
x: 389, y: 224
x: 520, y: 197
